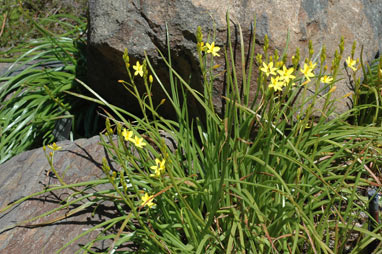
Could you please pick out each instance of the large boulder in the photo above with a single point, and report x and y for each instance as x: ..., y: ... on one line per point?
x: 140, y: 26
x: 27, y: 173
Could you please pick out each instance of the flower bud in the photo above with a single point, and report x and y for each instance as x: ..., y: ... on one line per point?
x: 108, y: 128
x: 311, y: 50
x: 323, y: 55
x: 126, y: 58
x: 342, y: 45
x: 266, y: 44
x: 353, y: 49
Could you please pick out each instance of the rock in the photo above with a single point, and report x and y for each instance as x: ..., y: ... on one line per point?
x: 62, y: 129
x: 28, y: 173
x: 4, y: 68
x: 139, y: 26
x: 25, y: 174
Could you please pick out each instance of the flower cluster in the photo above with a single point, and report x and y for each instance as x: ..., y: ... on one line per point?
x: 137, y: 141
x: 55, y: 147
x: 139, y: 69
x: 209, y: 48
x: 158, y: 168
x: 281, y: 77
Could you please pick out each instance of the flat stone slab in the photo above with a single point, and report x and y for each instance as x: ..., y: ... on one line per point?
x: 27, y: 173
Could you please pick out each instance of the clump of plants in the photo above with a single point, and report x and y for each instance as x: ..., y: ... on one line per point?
x: 16, y: 24
x: 35, y: 86
x: 264, y: 177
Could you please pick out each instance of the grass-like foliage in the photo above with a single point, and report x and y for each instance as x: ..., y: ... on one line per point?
x: 270, y: 174
x: 15, y: 24
x: 32, y: 91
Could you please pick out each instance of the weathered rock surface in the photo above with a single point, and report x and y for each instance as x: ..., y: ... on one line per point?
x: 140, y: 26
x: 26, y: 174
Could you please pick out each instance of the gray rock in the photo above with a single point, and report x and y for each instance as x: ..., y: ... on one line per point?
x: 4, y: 68
x: 26, y: 174
x: 62, y: 129
x: 140, y: 27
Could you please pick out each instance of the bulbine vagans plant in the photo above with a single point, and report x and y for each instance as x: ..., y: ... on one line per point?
x: 268, y: 175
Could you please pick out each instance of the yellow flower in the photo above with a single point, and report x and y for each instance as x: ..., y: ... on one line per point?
x: 312, y: 65
x: 286, y: 74
x: 147, y: 200
x: 138, y: 142
x: 158, y: 168
x: 127, y: 134
x: 212, y: 49
x: 276, y: 84
x: 55, y: 147
x: 307, y: 71
x: 326, y: 79
x: 351, y: 63
x: 268, y: 69
x: 138, y: 69
x: 200, y: 46
x: 151, y: 79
